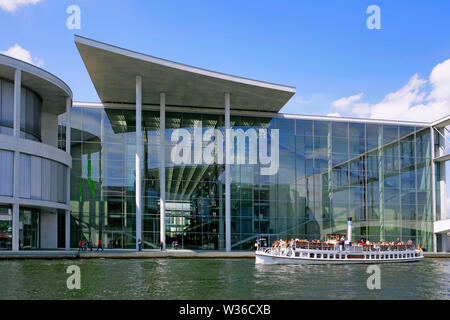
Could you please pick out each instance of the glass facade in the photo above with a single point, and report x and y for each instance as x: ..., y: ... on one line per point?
x: 42, y: 179
x: 30, y: 111
x: 29, y: 224
x: 5, y: 227
x: 378, y: 174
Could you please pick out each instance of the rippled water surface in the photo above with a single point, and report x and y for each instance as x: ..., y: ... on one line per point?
x: 219, y: 279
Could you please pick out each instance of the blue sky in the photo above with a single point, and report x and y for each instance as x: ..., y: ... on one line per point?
x: 323, y: 48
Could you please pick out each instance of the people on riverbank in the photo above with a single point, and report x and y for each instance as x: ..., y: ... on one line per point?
x: 140, y: 244
x: 100, y: 245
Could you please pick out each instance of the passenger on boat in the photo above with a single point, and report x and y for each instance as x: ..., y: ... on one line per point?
x: 341, y: 243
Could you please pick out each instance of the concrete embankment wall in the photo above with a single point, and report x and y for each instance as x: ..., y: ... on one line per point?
x: 148, y: 254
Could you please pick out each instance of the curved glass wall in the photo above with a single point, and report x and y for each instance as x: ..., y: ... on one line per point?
x: 42, y: 179
x: 30, y: 112
x: 380, y: 175
x: 6, y: 173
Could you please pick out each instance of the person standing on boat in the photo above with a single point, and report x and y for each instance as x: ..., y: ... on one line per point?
x: 341, y: 243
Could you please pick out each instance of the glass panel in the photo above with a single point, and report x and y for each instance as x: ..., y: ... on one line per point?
x: 5, y: 228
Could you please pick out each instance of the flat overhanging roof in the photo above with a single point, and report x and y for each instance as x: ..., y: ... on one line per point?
x: 113, y: 71
x: 442, y: 123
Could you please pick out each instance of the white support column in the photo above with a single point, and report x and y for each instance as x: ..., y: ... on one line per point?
x: 442, y: 177
x: 17, y: 96
x: 433, y: 186
x: 16, y: 132
x: 162, y: 168
x: 227, y: 174
x: 15, y: 226
x: 68, y: 150
x: 139, y: 157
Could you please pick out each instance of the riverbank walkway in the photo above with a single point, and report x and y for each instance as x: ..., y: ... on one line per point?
x: 147, y: 253
x: 125, y: 254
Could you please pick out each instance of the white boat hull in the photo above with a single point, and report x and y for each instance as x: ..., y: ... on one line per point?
x: 267, y: 258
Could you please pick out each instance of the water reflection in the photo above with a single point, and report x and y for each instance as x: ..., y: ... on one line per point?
x: 207, y: 279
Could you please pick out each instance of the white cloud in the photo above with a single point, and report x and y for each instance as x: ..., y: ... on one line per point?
x: 411, y: 102
x: 12, y: 5
x: 346, y: 102
x: 334, y: 114
x: 20, y: 53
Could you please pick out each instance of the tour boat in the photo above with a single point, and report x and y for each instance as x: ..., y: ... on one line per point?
x: 331, y: 252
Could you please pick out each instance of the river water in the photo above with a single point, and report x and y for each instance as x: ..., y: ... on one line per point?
x: 208, y: 279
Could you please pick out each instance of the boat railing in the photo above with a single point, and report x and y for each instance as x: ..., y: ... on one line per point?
x: 286, y: 250
x: 355, y: 247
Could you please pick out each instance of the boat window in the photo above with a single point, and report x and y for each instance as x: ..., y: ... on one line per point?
x: 297, y: 254
x: 304, y: 254
x: 395, y: 256
x: 391, y: 256
x: 311, y: 255
x: 318, y: 255
x: 382, y: 256
x: 343, y: 256
x: 325, y: 256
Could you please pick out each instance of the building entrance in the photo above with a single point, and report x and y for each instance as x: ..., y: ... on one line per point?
x: 114, y: 239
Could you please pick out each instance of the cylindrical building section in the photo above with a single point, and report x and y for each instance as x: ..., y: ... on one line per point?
x: 33, y: 170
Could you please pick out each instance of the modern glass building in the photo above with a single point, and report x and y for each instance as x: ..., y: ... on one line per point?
x: 380, y: 173
x: 178, y: 153
x: 329, y: 169
x: 34, y: 172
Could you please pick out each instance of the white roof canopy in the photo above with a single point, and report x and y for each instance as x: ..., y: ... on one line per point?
x: 113, y: 71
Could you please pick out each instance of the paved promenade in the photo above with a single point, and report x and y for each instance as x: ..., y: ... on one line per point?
x: 132, y: 254
x: 125, y: 254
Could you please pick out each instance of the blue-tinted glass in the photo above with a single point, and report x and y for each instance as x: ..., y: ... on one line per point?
x: 321, y: 128
x: 390, y: 133
x: 303, y: 127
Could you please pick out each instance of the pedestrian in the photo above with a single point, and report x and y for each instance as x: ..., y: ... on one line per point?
x: 161, y: 246
x: 90, y: 244
x: 80, y: 245
x: 85, y: 245
x: 173, y: 244
x: 140, y: 244
x: 99, y: 246
x: 176, y: 244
